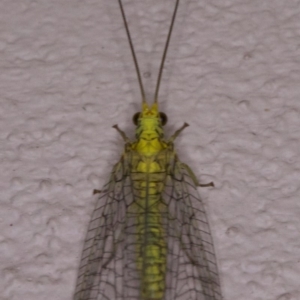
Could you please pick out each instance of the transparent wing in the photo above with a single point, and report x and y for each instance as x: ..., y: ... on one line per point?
x: 101, y: 263
x: 192, y: 272
x: 108, y: 268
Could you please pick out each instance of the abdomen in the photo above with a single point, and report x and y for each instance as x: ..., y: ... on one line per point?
x: 151, y: 246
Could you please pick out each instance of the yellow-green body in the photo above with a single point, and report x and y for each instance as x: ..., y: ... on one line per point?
x: 148, y: 175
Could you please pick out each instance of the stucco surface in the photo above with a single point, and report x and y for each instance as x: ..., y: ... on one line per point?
x: 66, y: 76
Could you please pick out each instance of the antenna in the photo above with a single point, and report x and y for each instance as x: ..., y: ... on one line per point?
x: 133, y: 53
x: 165, y: 52
x: 163, y: 57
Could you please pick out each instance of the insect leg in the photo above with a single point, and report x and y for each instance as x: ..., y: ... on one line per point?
x: 122, y: 133
x: 95, y: 191
x: 177, y: 132
x: 193, y: 176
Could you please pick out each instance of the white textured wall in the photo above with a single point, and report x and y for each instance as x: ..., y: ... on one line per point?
x: 66, y: 76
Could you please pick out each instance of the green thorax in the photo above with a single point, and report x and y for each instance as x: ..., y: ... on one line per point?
x: 149, y: 131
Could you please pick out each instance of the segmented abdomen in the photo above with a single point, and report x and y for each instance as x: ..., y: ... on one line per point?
x: 151, y: 245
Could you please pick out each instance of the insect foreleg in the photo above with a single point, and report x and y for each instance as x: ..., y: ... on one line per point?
x: 122, y: 133
x: 177, y: 132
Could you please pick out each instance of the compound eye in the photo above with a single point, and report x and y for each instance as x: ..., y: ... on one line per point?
x: 135, y: 118
x: 163, y: 118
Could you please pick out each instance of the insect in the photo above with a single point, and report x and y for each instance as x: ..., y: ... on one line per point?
x: 148, y: 238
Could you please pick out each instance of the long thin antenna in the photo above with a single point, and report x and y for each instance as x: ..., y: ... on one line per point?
x: 165, y: 52
x: 133, y: 53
